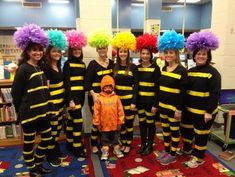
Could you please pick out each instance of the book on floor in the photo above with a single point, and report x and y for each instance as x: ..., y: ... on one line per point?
x: 227, y: 155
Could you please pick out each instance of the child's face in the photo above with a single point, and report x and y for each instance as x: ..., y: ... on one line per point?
x: 108, y: 89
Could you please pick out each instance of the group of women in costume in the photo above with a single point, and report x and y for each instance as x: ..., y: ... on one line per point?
x: 186, y: 101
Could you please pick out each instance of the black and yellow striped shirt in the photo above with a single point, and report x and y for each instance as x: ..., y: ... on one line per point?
x: 30, y: 94
x: 172, y: 90
x: 148, y: 85
x: 95, y: 73
x: 56, y: 88
x: 203, y: 89
x: 126, y: 84
x: 74, y: 74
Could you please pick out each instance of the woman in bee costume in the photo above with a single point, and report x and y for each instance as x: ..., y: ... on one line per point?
x: 96, y: 70
x: 74, y: 73
x: 148, y: 87
x: 203, y: 93
x: 126, y: 80
x: 31, y: 97
x: 54, y: 75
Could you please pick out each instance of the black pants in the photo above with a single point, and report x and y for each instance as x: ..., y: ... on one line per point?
x: 146, y: 124
x: 170, y: 127
x: 42, y: 126
x: 194, y: 126
x: 109, y: 138
x: 126, y: 134
x: 95, y: 134
x: 74, y: 128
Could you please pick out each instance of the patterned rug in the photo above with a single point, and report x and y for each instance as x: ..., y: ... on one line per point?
x: 137, y: 165
x: 12, y: 164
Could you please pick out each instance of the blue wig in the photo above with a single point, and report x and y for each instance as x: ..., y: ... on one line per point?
x: 170, y: 40
x: 57, y: 39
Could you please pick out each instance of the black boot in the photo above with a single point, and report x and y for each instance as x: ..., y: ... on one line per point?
x: 142, y: 148
x: 35, y: 173
x: 143, y: 136
x: 151, y: 135
x: 43, y: 170
x: 148, y: 150
x: 80, y: 152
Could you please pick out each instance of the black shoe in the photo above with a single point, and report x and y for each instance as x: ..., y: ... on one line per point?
x: 141, y: 149
x: 63, y: 156
x: 80, y: 153
x: 125, y: 152
x: 35, y: 173
x: 148, y: 150
x: 55, y: 162
x: 44, y: 170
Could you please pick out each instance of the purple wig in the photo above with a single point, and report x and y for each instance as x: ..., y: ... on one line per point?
x: 202, y: 40
x: 30, y: 33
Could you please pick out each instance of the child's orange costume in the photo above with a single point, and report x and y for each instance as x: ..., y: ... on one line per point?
x: 108, y: 112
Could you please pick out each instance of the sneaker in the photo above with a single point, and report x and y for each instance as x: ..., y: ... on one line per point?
x: 95, y: 149
x: 193, y: 163
x: 104, y: 155
x: 167, y: 159
x: 118, y: 153
x: 55, y: 162
x: 160, y: 155
x: 182, y: 152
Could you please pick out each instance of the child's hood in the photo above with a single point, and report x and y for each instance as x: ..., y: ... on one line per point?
x: 107, y: 80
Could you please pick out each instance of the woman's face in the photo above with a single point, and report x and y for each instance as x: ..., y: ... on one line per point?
x: 77, y: 52
x: 201, y: 57
x: 145, y: 55
x: 35, y: 53
x: 55, y: 54
x: 170, y: 55
x: 123, y: 54
x: 102, y: 51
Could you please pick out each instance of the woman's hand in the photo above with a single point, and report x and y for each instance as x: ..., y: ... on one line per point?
x: 133, y: 107
x: 154, y: 110
x: 72, y: 105
x: 178, y: 115
x: 207, y: 117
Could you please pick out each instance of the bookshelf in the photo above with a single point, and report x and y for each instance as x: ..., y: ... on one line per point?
x: 10, y: 131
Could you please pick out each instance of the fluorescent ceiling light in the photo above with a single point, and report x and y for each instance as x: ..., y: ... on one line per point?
x: 12, y: 0
x: 137, y: 4
x: 188, y: 1
x: 59, y: 1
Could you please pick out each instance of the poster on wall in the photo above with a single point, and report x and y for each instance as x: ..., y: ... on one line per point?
x: 153, y: 26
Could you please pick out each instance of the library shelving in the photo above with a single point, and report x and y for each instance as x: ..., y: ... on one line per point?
x: 10, y: 132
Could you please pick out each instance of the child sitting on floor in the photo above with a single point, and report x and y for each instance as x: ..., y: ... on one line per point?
x: 108, y: 117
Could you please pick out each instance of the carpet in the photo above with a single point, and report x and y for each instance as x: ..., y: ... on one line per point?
x: 12, y: 164
x: 149, y: 167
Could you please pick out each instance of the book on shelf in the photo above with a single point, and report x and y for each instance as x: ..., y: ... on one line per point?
x: 9, y: 131
x: 7, y: 113
x: 6, y: 93
x: 3, y: 132
x: 227, y: 155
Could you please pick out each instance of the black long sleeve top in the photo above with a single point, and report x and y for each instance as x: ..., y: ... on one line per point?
x: 74, y: 74
x: 148, y: 85
x: 203, y: 89
x: 172, y: 90
x: 95, y: 73
x: 30, y: 93
x: 127, y: 84
x: 56, y: 88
